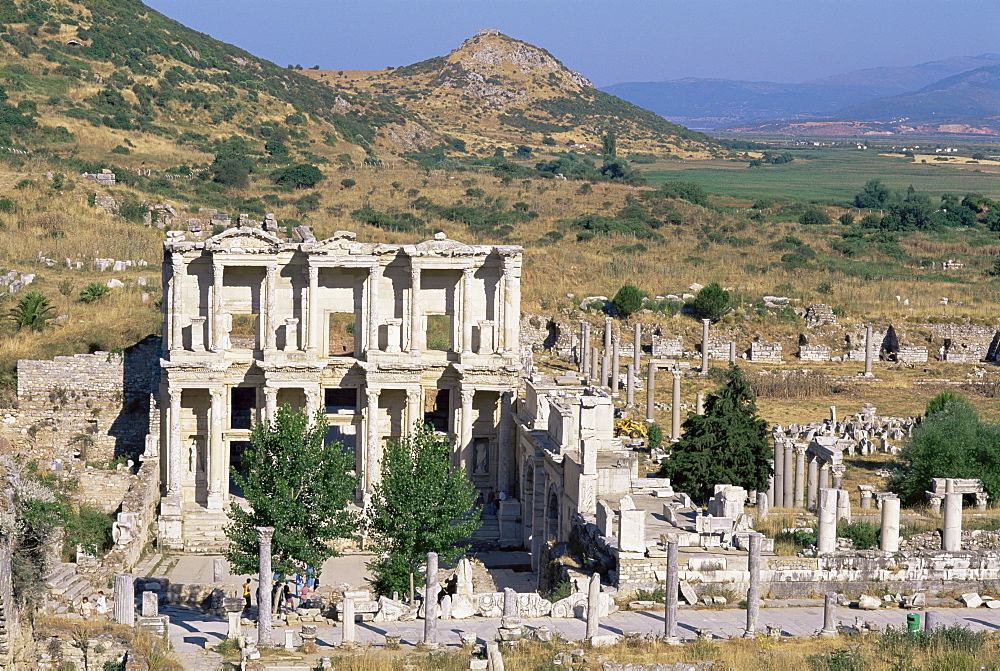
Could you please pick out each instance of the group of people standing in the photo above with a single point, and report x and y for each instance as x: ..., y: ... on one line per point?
x: 289, y: 591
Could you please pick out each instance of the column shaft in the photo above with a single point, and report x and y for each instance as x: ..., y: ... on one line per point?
x: 800, y: 477
x: 615, y: 360
x: 372, y: 447
x: 314, y: 320
x: 416, y: 323
x: 177, y: 294
x: 264, y: 579
x: 829, y: 615
x: 789, y: 480
x: 218, y: 475
x: 637, y: 346
x: 630, y: 385
x: 465, y: 440
x: 704, y: 346
x: 270, y: 307
x: 951, y: 534
x: 812, y: 483
x: 779, y: 473
x: 373, y: 308
x: 174, y: 441
x: 511, y: 307
x: 826, y: 540
x: 466, y: 329
x: 671, y: 588
x: 650, y: 390
x: 889, y: 540
x: 431, y: 600
x: 753, y: 594
x: 506, y: 449
x: 218, y: 282
x: 675, y: 407
x: 868, y: 350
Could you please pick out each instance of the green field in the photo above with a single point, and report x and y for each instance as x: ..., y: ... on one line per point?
x: 829, y: 176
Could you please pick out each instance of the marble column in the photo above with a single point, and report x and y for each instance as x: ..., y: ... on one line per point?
x: 615, y: 365
x: 753, y: 594
x: 593, y: 606
x: 607, y: 334
x: 430, y: 601
x: 789, y: 480
x: 124, y: 611
x: 824, y: 475
x: 348, y: 622
x: 218, y: 283
x: 779, y: 473
x: 416, y: 322
x: 762, y: 505
x: 812, y: 483
x: 373, y: 307
x: 313, y: 318
x: 889, y: 540
x: 218, y: 476
x: 650, y: 390
x: 826, y: 540
x: 467, y: 310
x: 868, y: 351
x: 505, y: 472
x: 675, y: 407
x: 732, y: 352
x: 606, y: 368
x: 770, y: 485
x: 800, y: 476
x: 512, y: 302
x: 465, y: 457
x: 699, y: 403
x: 270, y: 404
x: 843, y: 505
x: 372, y: 447
x: 630, y: 385
x: 837, y: 471
x: 833, y: 415
x: 671, y: 588
x: 414, y: 410
x: 704, y: 346
x: 829, y: 615
x: 930, y: 621
x: 951, y: 533
x: 584, y: 349
x: 174, y: 461
x: 637, y: 346
x: 594, y: 364
x: 264, y: 577
x: 270, y: 306
x: 177, y: 295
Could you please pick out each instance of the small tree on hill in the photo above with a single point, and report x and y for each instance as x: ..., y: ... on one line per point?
x: 628, y: 300
x: 300, y: 175
x: 712, y: 302
x: 296, y: 484
x: 33, y: 311
x: 729, y: 444
x: 420, y: 505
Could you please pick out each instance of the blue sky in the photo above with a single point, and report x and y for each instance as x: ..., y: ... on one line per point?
x: 610, y: 41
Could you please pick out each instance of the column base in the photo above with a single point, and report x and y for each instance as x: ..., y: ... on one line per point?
x: 216, y: 502
x: 828, y: 632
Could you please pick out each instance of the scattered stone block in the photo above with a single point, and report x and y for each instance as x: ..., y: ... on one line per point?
x: 971, y: 600
x: 866, y: 602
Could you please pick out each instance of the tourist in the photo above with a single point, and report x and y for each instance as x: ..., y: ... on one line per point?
x: 491, y: 503
x: 101, y: 605
x: 246, y: 593
x: 86, y: 608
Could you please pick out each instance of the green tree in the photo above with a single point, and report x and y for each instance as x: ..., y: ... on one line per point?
x: 814, y: 217
x: 729, y: 444
x: 93, y: 292
x: 609, y: 144
x: 300, y: 175
x: 296, y: 484
x: 33, y: 311
x: 950, y: 442
x: 712, y: 302
x: 347, y: 182
x: 655, y: 438
x: 420, y: 505
x: 874, y: 195
x: 628, y: 300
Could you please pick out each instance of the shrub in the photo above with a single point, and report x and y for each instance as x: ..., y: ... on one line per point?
x: 33, y: 311
x: 93, y: 291
x: 655, y: 436
x: 347, y: 183
x: 814, y: 217
x: 300, y: 175
x: 628, y: 300
x: 864, y: 534
x: 711, y: 302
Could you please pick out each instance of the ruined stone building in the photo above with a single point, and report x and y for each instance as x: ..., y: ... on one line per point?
x: 379, y: 336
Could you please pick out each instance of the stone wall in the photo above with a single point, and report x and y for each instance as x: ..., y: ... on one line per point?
x: 664, y: 346
x: 134, y: 527
x: 91, y: 406
x: 912, y: 355
x: 814, y: 353
x: 765, y: 352
x: 104, y: 489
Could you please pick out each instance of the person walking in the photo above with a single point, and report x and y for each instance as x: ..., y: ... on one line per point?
x: 247, y: 592
x: 101, y: 605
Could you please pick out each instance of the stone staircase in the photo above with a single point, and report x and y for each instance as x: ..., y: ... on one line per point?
x: 489, y: 531
x: 203, y: 532
x: 67, y: 588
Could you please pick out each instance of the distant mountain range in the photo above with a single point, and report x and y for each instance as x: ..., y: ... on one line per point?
x: 955, y: 95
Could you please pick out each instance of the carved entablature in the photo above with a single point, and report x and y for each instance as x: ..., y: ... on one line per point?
x: 442, y: 246
x: 244, y: 240
x: 344, y: 243
x: 214, y: 366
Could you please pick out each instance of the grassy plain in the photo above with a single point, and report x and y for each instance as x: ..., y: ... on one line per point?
x: 827, y: 175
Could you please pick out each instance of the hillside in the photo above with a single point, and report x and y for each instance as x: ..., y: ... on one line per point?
x: 494, y: 91
x: 715, y: 103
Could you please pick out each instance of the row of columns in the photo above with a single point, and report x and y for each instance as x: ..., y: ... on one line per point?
x: 217, y: 332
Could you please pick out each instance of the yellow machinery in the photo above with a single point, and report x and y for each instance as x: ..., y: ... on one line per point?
x: 630, y: 427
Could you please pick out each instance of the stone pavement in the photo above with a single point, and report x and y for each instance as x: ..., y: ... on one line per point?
x: 191, y: 630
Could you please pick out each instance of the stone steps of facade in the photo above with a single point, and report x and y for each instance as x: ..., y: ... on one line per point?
x: 68, y: 587
x: 490, y: 530
x: 62, y: 572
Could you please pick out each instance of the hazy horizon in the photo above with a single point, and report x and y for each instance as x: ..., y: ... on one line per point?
x: 642, y: 40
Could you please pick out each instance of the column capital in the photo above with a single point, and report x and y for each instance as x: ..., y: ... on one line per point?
x: 216, y: 392
x: 177, y: 260
x: 312, y: 271
x: 372, y: 394
x: 373, y: 269
x: 467, y: 272
x: 414, y: 270
x: 218, y: 267
x: 678, y: 374
x: 467, y: 395
x: 271, y: 269
x: 264, y: 535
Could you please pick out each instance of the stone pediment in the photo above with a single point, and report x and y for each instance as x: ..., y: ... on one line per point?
x: 441, y: 245
x: 243, y: 240
x: 342, y: 242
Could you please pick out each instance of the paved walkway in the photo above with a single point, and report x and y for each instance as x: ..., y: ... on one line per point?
x: 191, y: 630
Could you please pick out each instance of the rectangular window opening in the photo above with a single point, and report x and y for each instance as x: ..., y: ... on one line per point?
x: 437, y: 410
x: 439, y: 333
x: 341, y: 333
x: 243, y: 404
x: 244, y: 332
x: 338, y: 399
